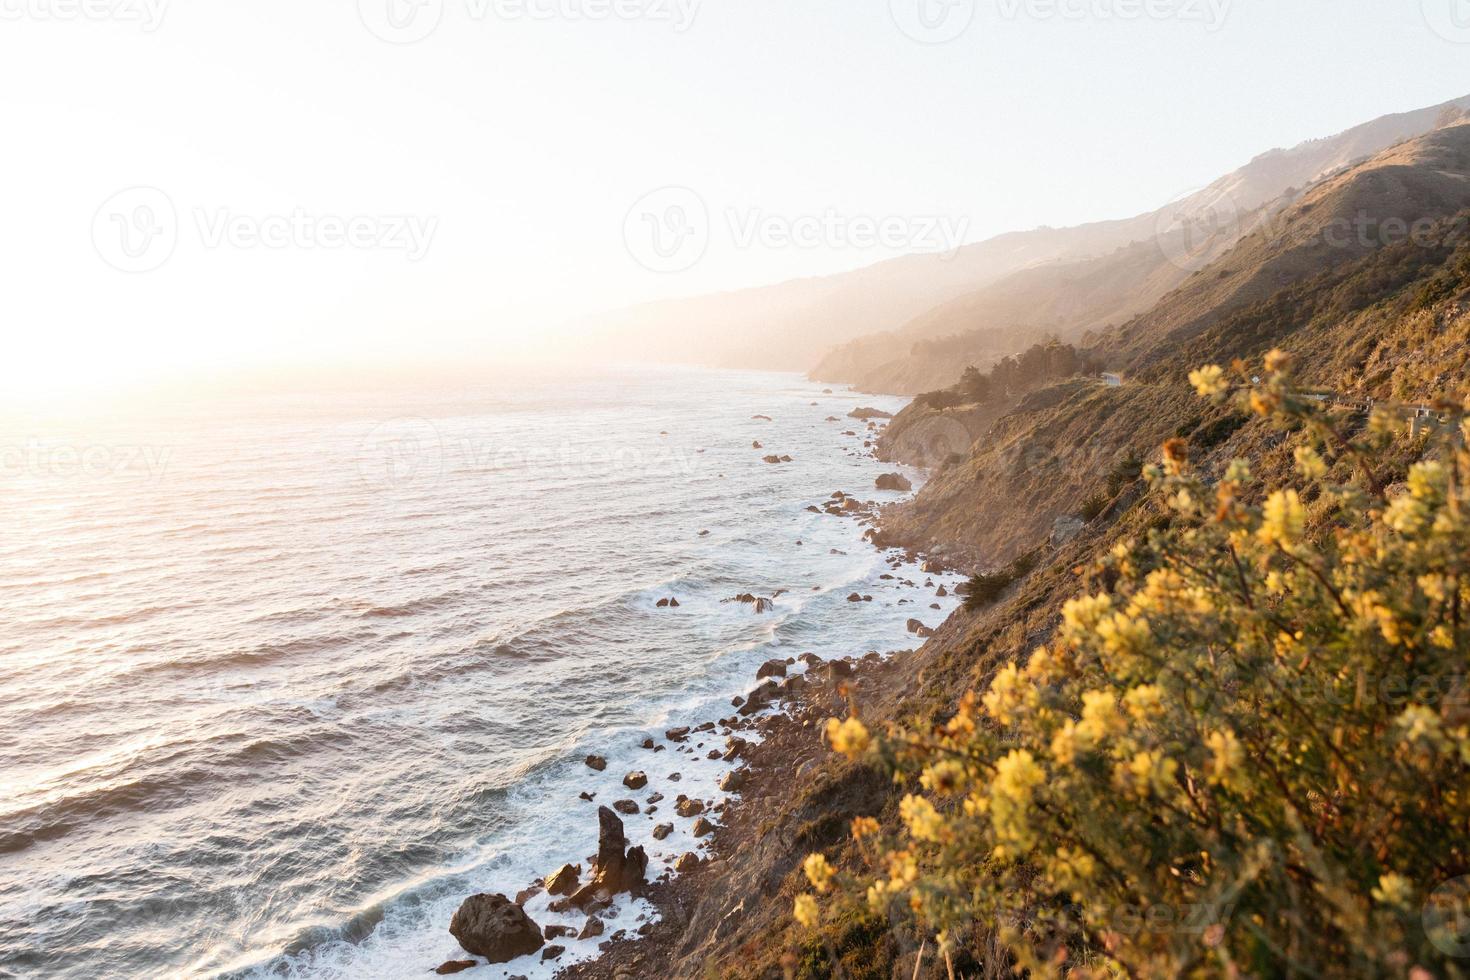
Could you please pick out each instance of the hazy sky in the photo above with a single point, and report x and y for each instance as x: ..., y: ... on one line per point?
x: 314, y: 187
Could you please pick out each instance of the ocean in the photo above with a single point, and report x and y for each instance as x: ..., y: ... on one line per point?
x: 285, y: 677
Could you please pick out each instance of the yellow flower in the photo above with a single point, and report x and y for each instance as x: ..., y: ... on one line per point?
x: 903, y: 870
x: 818, y: 872
x: 1123, y: 635
x: 1081, y: 615
x: 1041, y: 666
x: 1277, y: 361
x: 1407, y: 514
x: 848, y: 737
x: 1420, y: 724
x: 1017, y: 775
x: 1264, y: 402
x: 1394, y: 889
x: 1148, y: 771
x: 1100, y: 717
x: 945, y: 777
x: 1070, y: 868
x: 1209, y: 381
x: 1309, y: 463
x: 878, y: 895
x: 1226, y: 754
x: 963, y: 723
x: 924, y: 822
x: 1067, y: 742
x: 805, y: 911
x: 864, y: 827
x: 1435, y: 587
x: 1144, y: 702
x: 1428, y: 480
x: 1283, y: 519
x: 1009, y: 693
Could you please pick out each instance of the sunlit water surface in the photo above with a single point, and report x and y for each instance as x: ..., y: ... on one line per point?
x: 284, y: 679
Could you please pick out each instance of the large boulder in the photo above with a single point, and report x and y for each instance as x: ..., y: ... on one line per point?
x: 869, y: 413
x: 893, y: 481
x: 496, y: 928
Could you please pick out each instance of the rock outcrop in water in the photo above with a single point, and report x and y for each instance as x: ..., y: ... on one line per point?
x: 894, y: 481
x: 620, y: 868
x: 496, y: 928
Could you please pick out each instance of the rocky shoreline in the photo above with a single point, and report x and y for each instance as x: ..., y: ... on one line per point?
x: 770, y: 750
x: 735, y: 887
x: 774, y: 750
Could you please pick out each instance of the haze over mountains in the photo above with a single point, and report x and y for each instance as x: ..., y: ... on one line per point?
x: 911, y: 324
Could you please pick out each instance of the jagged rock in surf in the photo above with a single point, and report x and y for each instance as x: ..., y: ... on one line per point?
x: 564, y: 881
x: 619, y: 868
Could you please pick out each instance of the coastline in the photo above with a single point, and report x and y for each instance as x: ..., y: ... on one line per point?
x: 789, y: 780
x: 738, y: 890
x: 734, y: 765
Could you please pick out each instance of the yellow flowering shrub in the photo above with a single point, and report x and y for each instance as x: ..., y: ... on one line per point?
x: 1248, y: 753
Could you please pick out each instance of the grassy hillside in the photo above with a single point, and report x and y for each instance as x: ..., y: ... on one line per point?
x: 1393, y: 321
x: 1154, y: 254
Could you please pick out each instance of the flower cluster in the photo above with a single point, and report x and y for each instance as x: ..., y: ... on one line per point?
x: 1249, y: 727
